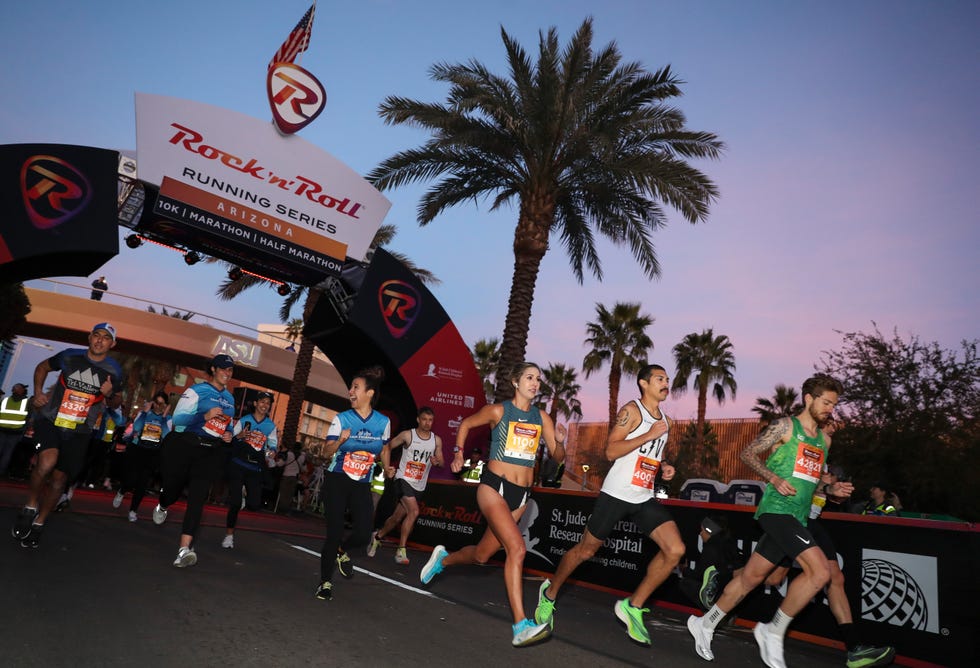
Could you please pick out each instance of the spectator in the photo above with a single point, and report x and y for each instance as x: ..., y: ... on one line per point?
x: 13, y: 423
x: 292, y: 462
x: 882, y: 501
x: 99, y: 287
x: 473, y: 467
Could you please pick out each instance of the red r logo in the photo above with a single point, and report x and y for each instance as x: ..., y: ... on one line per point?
x: 400, y: 305
x: 53, y: 191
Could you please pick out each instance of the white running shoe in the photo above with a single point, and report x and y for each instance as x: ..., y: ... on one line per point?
x: 159, y: 515
x: 132, y: 516
x: 433, y: 566
x: 702, y: 637
x: 770, y: 646
x: 185, y: 557
x: 117, y: 499
x: 401, y: 556
x: 373, y: 545
x: 228, y: 541
x: 526, y: 632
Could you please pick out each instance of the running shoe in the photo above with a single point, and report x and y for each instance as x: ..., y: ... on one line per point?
x: 228, y: 541
x: 374, y: 544
x: 63, y: 504
x: 702, y: 637
x: 34, y: 537
x: 324, y: 592
x: 185, y: 557
x: 433, y: 566
x: 117, y: 499
x: 133, y: 516
x: 709, y: 587
x: 345, y: 565
x: 526, y: 632
x: 159, y: 514
x: 770, y: 646
x: 633, y: 618
x: 22, y: 525
x: 401, y: 556
x: 545, y: 612
x: 865, y: 656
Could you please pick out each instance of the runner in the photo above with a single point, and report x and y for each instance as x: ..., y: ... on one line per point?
x: 143, y: 457
x: 636, y: 444
x: 63, y: 423
x: 423, y: 450
x: 253, y: 450
x: 193, y: 454
x: 518, y: 430
x: 355, y: 438
x: 796, y: 450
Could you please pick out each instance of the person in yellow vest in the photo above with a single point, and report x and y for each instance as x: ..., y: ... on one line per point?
x: 13, y: 422
x: 473, y: 467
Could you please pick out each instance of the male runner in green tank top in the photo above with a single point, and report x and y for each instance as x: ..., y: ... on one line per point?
x: 796, y: 450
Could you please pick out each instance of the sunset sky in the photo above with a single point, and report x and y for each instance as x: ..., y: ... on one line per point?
x: 848, y: 186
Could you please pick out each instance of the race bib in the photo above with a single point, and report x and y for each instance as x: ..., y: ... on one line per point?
x: 522, y: 440
x: 152, y: 432
x: 217, y: 425
x: 74, y: 409
x: 255, y: 438
x: 809, y: 462
x: 414, y: 471
x: 358, y: 465
x: 645, y: 472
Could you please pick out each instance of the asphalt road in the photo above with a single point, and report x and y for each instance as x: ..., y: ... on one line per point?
x: 102, y: 591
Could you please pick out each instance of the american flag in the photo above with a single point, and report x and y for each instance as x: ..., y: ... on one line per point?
x: 298, y: 40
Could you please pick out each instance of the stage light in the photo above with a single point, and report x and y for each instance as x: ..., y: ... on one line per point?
x: 191, y: 258
x: 134, y: 241
x: 235, y: 273
x: 283, y: 289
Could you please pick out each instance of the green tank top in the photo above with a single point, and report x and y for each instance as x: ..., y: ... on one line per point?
x: 800, y: 462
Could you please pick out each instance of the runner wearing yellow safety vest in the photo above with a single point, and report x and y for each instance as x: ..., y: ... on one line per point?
x: 13, y: 422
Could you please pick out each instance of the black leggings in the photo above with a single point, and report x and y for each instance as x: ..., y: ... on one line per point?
x: 340, y: 493
x: 184, y: 461
x: 252, y: 480
x: 141, y: 464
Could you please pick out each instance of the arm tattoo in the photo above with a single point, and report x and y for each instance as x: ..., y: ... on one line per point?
x: 623, y: 419
x: 763, y: 443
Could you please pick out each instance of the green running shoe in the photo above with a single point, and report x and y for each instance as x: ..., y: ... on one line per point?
x: 865, y: 656
x: 633, y: 618
x: 545, y: 612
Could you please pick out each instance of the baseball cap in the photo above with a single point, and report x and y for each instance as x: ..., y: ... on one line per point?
x: 107, y: 327
x: 710, y: 526
x: 222, y: 361
x: 263, y: 395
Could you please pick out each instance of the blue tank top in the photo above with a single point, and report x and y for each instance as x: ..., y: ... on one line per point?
x: 517, y: 437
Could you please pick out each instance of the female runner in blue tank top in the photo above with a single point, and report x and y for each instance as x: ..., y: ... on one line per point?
x: 518, y: 430
x: 354, y: 441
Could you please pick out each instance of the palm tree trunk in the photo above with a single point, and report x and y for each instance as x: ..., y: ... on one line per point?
x: 615, y: 376
x: 699, y: 441
x: 514, y: 342
x: 301, y: 376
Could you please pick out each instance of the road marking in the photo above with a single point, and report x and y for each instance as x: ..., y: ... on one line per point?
x: 380, y: 577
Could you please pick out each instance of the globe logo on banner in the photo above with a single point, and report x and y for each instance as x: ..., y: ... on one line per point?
x: 295, y: 95
x: 54, y: 191
x: 900, y: 589
x: 400, y: 305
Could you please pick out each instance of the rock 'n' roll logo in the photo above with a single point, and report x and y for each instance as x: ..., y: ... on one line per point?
x: 54, y: 191
x: 400, y: 305
x: 295, y: 95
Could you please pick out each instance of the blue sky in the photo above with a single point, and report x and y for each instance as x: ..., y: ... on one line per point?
x: 848, y: 191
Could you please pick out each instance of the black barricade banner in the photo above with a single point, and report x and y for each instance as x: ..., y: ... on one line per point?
x: 59, y: 210
x: 910, y: 583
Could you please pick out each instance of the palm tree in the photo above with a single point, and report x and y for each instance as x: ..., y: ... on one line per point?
x: 294, y: 331
x: 238, y: 282
x: 559, y: 391
x: 173, y: 314
x: 619, y: 338
x: 706, y: 361
x: 784, y: 403
x: 584, y: 144
x: 486, y: 355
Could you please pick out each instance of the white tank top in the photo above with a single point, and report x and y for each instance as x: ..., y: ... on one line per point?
x: 632, y: 476
x: 414, y: 466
